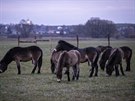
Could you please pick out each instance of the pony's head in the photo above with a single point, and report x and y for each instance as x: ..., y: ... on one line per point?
x: 104, y: 58
x: 3, y: 67
x: 111, y: 61
x: 59, y: 67
x: 109, y: 69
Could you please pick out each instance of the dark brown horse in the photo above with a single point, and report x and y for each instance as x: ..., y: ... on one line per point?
x: 106, y: 53
x: 68, y: 59
x: 115, y: 60
x: 22, y: 54
x: 88, y: 54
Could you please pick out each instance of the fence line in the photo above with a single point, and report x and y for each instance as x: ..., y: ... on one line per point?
x: 35, y: 40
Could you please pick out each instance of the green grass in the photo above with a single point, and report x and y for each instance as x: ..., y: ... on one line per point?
x: 44, y: 87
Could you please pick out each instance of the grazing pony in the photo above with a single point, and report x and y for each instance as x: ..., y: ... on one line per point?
x: 106, y: 53
x: 88, y: 54
x: 115, y: 59
x: 22, y: 54
x: 68, y: 59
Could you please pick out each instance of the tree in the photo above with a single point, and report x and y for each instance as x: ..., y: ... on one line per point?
x: 80, y: 30
x: 95, y: 27
x: 24, y: 28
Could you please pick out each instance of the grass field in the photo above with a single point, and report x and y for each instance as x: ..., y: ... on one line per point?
x: 44, y: 87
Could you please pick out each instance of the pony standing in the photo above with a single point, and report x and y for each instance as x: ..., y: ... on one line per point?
x: 22, y: 54
x: 68, y: 59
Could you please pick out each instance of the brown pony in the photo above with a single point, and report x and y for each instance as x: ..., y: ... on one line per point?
x: 115, y: 59
x: 68, y: 59
x: 22, y: 54
x: 88, y: 54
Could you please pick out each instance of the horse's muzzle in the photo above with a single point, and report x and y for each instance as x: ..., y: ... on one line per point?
x: 58, y: 80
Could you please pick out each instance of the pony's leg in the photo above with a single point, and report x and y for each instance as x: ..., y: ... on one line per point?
x: 52, y: 67
x: 18, y: 66
x: 74, y: 72
x: 116, y: 70
x: 68, y: 74
x: 92, y: 70
x: 39, y: 68
x: 39, y: 63
x: 35, y: 63
x: 128, y: 64
x: 96, y: 68
x: 121, y: 68
x: 78, y: 72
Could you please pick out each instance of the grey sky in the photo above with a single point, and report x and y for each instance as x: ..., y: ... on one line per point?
x: 66, y: 12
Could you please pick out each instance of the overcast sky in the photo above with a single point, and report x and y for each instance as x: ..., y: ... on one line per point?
x: 66, y: 12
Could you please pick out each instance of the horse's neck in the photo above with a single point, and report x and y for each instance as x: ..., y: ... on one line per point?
x: 7, y: 59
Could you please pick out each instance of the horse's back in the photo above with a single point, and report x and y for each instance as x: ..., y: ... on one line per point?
x: 127, y: 52
x: 116, y: 56
x: 27, y: 53
x: 74, y: 56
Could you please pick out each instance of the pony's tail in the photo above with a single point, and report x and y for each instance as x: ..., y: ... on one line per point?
x: 128, y: 61
x: 40, y: 60
x: 96, y: 58
x: 130, y: 56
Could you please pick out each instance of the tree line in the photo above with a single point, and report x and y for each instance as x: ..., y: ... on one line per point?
x: 94, y: 27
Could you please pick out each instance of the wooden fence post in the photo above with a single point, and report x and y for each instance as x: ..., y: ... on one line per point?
x: 35, y: 39
x: 77, y: 39
x: 18, y: 40
x: 108, y: 39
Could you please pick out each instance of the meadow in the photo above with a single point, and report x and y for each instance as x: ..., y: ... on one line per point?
x: 44, y: 87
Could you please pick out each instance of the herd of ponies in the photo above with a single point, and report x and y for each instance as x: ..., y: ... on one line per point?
x: 66, y: 55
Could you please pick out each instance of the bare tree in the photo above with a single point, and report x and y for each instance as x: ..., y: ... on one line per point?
x: 24, y: 28
x: 96, y: 27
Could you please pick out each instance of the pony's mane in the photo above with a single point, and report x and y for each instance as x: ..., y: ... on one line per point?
x: 64, y: 43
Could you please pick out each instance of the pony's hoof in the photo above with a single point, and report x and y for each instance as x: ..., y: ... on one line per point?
x: 58, y: 80
x: 19, y: 73
x: 128, y: 70
x: 90, y: 76
x: 96, y: 75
